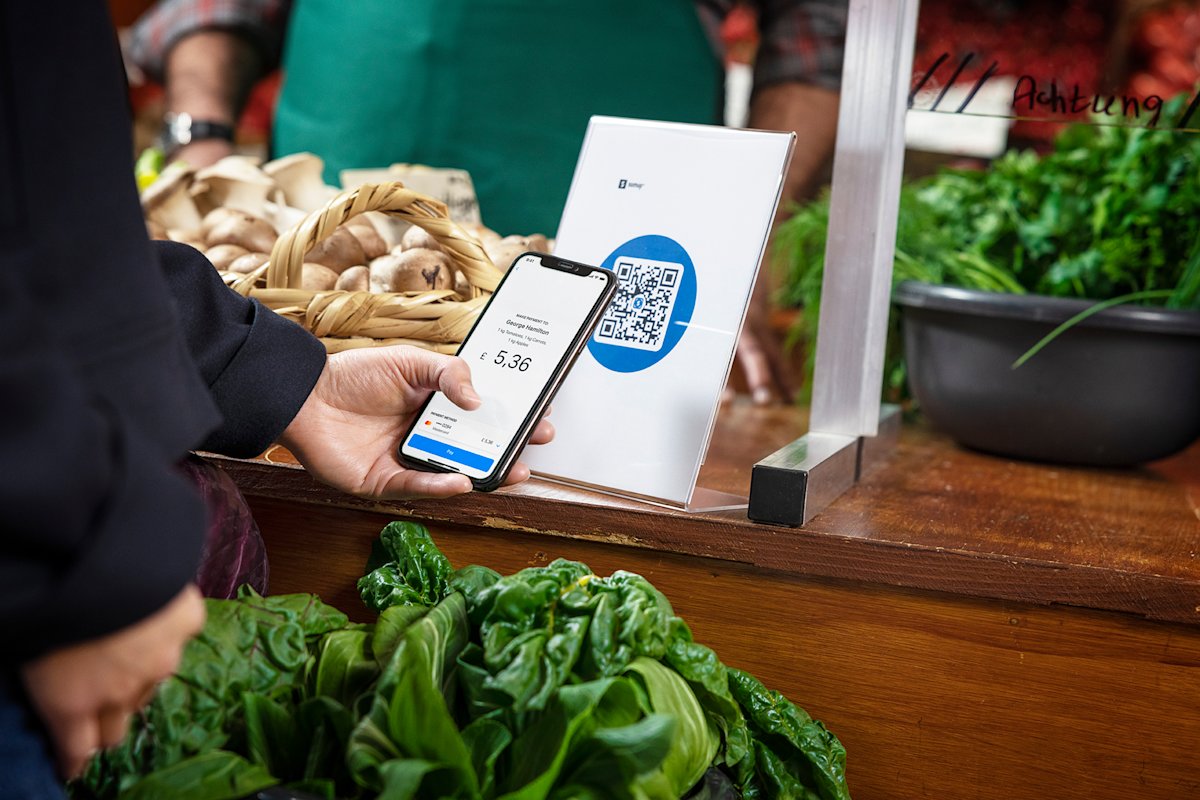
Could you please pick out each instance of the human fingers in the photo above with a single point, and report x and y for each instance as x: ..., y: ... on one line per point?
x: 517, y: 474
x: 165, y: 634
x: 423, y: 369
x: 76, y: 739
x: 404, y: 483
x: 113, y: 725
x: 756, y: 368
x: 543, y: 432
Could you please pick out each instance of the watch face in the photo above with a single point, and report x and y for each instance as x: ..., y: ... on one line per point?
x: 179, y: 128
x: 182, y: 129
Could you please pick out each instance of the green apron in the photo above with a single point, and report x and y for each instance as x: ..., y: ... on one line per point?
x: 501, y: 88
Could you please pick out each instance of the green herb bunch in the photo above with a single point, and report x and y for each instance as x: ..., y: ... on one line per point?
x: 549, y: 683
x: 1111, y: 211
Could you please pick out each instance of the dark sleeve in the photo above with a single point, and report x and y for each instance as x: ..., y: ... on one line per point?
x: 258, y: 366
x: 98, y: 529
x: 100, y: 393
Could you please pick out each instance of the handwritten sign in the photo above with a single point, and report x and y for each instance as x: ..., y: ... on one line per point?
x: 1041, y: 100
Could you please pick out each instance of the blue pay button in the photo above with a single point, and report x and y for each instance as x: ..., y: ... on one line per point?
x: 455, y: 454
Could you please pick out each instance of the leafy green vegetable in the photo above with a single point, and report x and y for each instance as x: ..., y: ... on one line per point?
x: 417, y: 572
x: 256, y: 644
x: 696, y: 739
x: 215, y: 775
x: 782, y: 727
x: 549, y: 684
x: 1110, y: 211
x: 388, y: 731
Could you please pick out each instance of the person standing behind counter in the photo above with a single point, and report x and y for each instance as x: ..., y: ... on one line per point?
x: 121, y: 355
x: 502, y: 89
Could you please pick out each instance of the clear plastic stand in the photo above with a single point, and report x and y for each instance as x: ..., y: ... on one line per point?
x: 795, y: 483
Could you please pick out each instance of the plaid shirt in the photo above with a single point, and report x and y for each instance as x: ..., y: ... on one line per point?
x: 801, y: 40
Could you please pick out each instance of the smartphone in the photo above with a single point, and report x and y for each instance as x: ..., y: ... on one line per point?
x: 520, y: 348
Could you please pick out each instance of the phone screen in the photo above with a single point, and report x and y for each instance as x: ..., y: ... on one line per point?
x: 514, y: 351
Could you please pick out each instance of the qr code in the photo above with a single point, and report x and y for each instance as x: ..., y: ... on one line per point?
x: 638, y: 316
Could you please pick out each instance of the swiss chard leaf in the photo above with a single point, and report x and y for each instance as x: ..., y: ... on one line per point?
x: 346, y: 665
x: 787, y: 730
x: 417, y: 572
x: 487, y: 739
x: 568, y: 721
x: 390, y: 629
x: 696, y: 739
x: 216, y: 775
x: 252, y: 644
x: 709, y: 679
x: 419, y: 666
x: 543, y: 624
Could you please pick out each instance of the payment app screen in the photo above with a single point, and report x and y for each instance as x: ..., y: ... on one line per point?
x: 524, y: 333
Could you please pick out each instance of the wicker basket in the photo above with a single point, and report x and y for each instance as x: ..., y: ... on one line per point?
x: 436, y: 320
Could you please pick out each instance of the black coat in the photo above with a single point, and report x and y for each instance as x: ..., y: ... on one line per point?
x: 117, y: 355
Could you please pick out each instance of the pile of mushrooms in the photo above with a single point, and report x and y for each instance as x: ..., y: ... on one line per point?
x: 235, y: 209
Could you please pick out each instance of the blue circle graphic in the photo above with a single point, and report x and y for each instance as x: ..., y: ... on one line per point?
x: 655, y: 299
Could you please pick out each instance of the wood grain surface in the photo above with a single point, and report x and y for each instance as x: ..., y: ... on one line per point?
x: 934, y: 695
x: 933, y: 516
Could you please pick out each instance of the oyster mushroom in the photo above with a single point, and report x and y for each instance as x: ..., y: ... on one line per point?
x: 236, y: 183
x: 166, y: 202
x: 298, y: 177
x: 155, y: 231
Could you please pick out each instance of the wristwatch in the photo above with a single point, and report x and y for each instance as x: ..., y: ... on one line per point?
x: 182, y: 129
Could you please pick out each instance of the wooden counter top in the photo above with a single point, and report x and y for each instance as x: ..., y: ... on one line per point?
x: 933, y: 516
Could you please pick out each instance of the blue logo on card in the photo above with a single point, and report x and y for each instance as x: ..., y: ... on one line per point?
x: 655, y: 299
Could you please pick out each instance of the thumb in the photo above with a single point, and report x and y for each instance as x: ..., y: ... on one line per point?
x: 450, y: 374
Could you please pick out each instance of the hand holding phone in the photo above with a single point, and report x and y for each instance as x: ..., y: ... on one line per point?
x: 519, y: 350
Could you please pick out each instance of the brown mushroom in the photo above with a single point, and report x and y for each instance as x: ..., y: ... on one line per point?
x: 317, y: 277
x: 481, y: 232
x: 462, y: 286
x: 190, y: 238
x: 229, y: 226
x: 537, y: 243
x: 418, y: 270
x: 339, y: 251
x: 222, y: 255
x: 355, y: 279
x: 248, y: 263
x: 416, y: 236
x: 505, y: 251
x: 373, y: 244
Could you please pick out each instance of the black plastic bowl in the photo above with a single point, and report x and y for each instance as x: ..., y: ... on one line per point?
x: 1118, y: 389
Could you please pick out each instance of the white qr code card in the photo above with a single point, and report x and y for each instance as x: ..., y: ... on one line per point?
x: 650, y: 202
x: 641, y: 311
